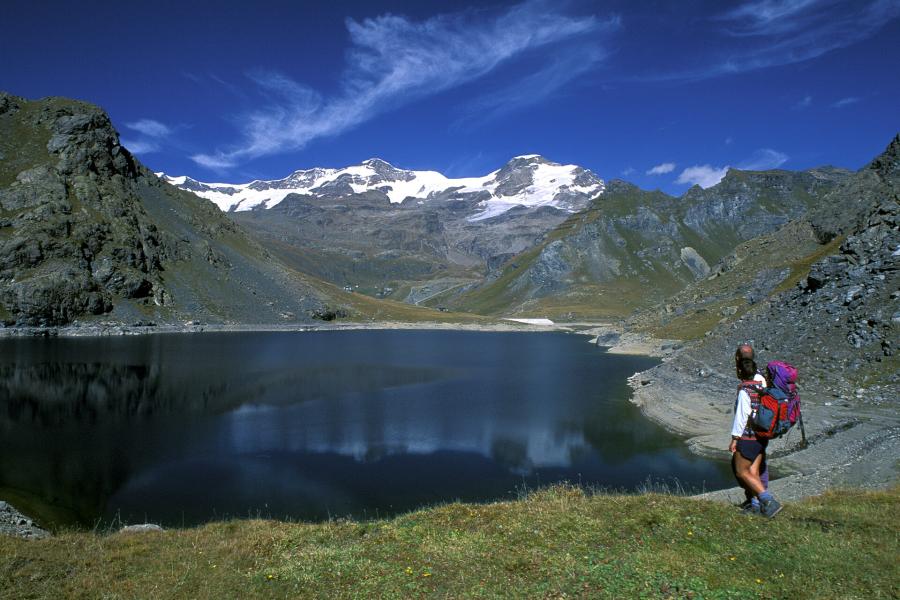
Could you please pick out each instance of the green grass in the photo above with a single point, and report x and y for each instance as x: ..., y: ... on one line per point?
x: 556, y: 543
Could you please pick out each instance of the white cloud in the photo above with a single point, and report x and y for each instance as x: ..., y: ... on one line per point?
x: 141, y: 146
x: 765, y: 17
x: 393, y: 61
x: 844, y: 102
x: 151, y: 135
x: 629, y: 171
x: 537, y: 87
x: 150, y: 128
x: 768, y: 33
x: 764, y: 158
x: 662, y: 169
x: 804, y: 102
x: 703, y: 175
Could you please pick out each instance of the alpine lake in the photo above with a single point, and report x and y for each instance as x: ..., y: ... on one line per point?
x: 180, y: 429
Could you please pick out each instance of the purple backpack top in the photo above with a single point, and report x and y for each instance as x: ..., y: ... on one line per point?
x: 784, y: 377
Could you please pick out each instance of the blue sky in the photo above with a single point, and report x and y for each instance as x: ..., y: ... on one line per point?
x: 664, y: 94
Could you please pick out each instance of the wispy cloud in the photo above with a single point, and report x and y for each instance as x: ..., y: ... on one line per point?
x: 844, y: 102
x: 533, y: 89
x: 628, y: 171
x: 764, y: 158
x: 758, y: 34
x: 790, y: 31
x: 392, y: 61
x: 138, y: 146
x: 150, y: 128
x: 150, y: 136
x: 767, y: 17
x: 803, y: 103
x: 662, y: 169
x: 703, y: 175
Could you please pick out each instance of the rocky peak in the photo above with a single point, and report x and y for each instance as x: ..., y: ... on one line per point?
x: 384, y: 171
x: 887, y: 164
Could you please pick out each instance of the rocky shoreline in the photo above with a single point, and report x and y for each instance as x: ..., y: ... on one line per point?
x: 846, y: 447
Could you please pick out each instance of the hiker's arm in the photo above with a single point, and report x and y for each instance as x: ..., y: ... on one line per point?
x: 741, y: 414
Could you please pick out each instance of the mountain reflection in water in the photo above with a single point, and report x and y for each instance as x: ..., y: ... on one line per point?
x: 184, y: 428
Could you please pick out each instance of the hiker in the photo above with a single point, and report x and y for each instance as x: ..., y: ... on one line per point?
x: 748, y: 454
x: 751, y: 502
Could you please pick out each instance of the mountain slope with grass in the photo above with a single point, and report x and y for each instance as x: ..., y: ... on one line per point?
x: 631, y: 248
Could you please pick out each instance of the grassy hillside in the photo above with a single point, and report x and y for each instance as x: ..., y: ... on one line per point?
x: 557, y: 543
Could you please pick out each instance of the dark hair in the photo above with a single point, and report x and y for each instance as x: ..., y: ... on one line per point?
x: 746, y: 369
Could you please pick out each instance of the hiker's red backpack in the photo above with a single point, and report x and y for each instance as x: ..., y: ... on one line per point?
x: 776, y: 409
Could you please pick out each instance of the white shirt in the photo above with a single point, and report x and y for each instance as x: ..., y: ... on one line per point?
x: 742, y: 408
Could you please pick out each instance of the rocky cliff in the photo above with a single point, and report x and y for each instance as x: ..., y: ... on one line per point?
x: 88, y: 233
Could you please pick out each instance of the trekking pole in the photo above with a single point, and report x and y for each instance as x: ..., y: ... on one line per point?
x: 803, y: 442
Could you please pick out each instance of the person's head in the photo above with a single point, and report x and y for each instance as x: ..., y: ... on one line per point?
x: 745, y: 362
x: 746, y: 369
x: 744, y: 351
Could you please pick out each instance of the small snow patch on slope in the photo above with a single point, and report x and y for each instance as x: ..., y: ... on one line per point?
x: 544, y: 322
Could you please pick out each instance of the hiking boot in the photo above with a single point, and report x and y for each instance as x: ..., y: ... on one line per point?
x: 748, y: 508
x: 770, y: 509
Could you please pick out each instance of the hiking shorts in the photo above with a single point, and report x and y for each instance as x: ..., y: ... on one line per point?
x: 750, y: 449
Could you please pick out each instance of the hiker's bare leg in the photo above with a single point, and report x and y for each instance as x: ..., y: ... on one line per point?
x: 748, y: 472
x: 747, y: 491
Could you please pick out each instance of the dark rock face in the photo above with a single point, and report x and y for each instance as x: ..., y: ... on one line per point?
x: 86, y: 230
x: 75, y: 238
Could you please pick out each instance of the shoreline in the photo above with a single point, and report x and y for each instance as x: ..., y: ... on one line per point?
x: 117, y: 329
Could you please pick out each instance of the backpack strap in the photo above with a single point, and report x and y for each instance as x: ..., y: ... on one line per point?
x: 754, y: 389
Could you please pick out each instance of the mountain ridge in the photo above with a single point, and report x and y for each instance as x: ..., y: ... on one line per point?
x: 525, y: 181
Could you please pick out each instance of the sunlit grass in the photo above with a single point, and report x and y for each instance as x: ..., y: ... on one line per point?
x: 557, y: 542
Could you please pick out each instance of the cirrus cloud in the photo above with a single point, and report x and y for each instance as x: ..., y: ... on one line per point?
x: 764, y: 158
x: 393, y: 61
x: 150, y: 136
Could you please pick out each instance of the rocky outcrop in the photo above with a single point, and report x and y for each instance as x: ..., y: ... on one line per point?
x: 692, y: 259
x: 14, y: 523
x: 86, y: 232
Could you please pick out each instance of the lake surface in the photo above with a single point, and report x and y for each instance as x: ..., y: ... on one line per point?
x: 185, y: 428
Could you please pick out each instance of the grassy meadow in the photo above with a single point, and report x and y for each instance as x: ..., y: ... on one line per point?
x: 554, y: 543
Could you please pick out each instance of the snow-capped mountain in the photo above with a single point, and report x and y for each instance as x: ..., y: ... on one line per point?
x: 527, y: 181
